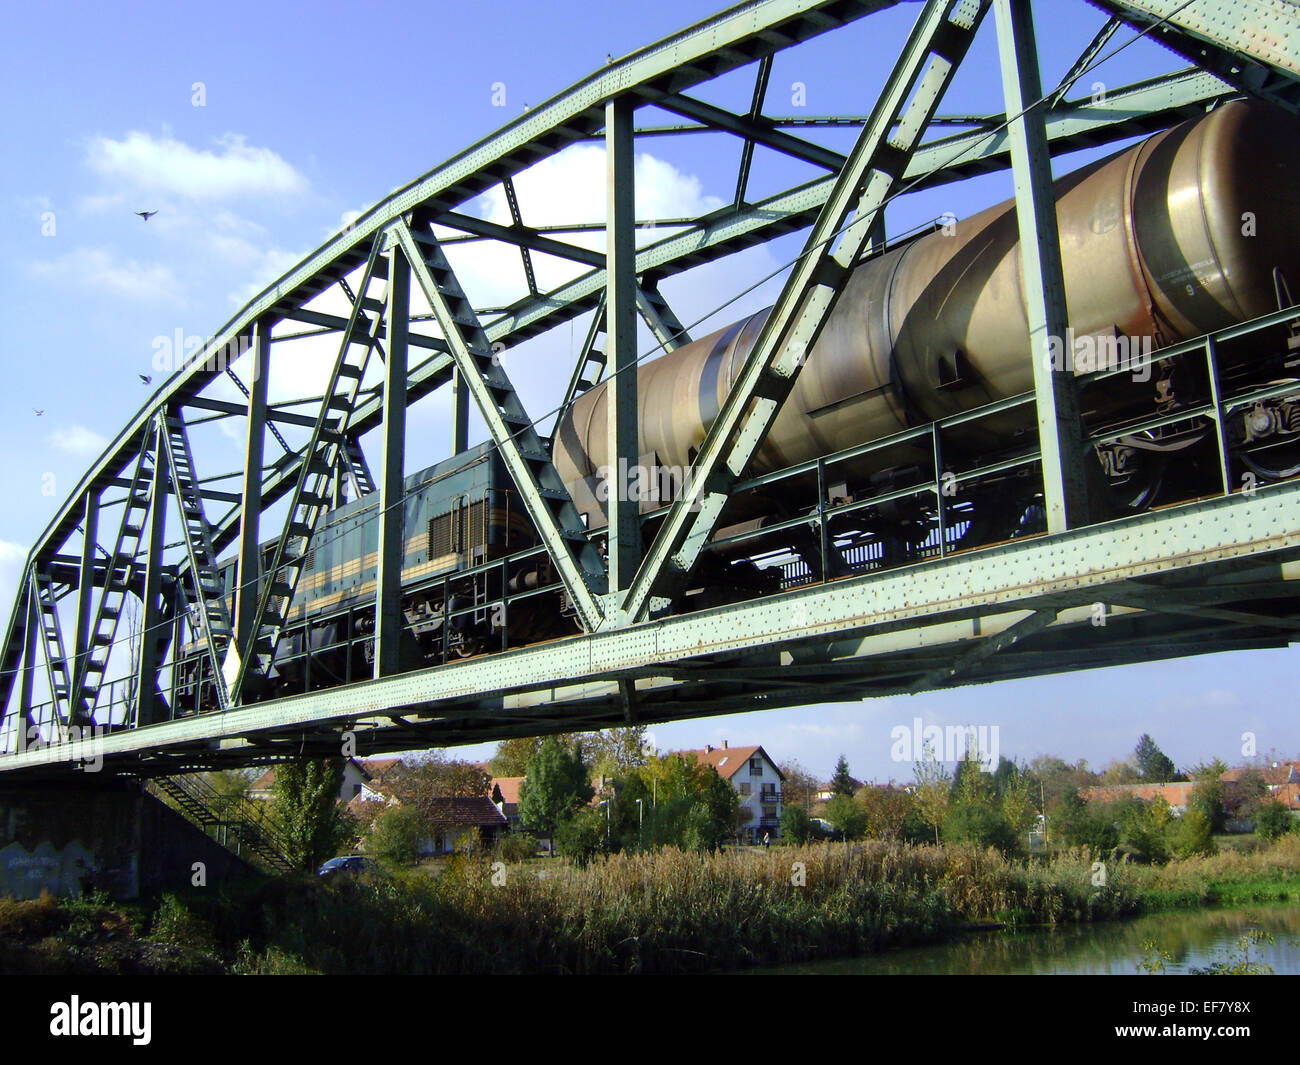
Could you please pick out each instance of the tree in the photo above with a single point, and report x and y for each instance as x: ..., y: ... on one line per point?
x: 842, y: 783
x: 555, y: 785
x: 1018, y: 803
x: 1054, y: 781
x: 1077, y: 824
x: 614, y: 752
x: 1117, y: 772
x: 1208, y: 798
x: 933, y: 790
x: 306, y: 804
x: 847, y: 816
x: 437, y: 777
x: 582, y: 835
x: 886, y: 810
x: 800, y: 786
x: 686, y: 804
x: 971, y: 786
x: 1143, y: 828
x: 796, y: 825
x: 1155, y: 766
x: 512, y: 756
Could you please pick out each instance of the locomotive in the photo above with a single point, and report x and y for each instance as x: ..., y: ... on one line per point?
x: 1185, y: 233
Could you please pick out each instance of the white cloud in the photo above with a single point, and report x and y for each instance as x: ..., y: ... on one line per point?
x: 101, y: 203
x: 261, y: 265
x: 77, y: 440
x: 96, y: 268
x: 168, y: 166
x: 567, y: 188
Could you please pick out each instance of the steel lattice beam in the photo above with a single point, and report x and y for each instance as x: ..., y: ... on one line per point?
x: 1252, y: 44
x: 543, y: 493
x: 874, y: 169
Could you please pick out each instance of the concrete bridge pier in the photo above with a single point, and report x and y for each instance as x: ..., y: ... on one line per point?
x: 110, y: 834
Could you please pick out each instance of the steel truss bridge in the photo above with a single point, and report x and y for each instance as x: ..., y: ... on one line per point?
x: 143, y: 530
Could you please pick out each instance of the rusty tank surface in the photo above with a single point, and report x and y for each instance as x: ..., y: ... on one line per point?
x: 1186, y: 232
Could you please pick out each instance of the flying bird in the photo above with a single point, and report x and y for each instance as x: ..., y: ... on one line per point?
x: 145, y: 378
x: 38, y: 413
x: 146, y: 215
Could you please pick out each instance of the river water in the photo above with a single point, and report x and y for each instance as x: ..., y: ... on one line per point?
x: 1190, y: 940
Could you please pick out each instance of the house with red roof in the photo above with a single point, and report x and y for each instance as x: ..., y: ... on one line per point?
x: 757, y: 780
x: 1176, y: 794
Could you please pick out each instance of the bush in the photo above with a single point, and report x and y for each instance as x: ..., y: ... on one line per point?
x: 516, y: 847
x: 1191, y: 834
x: 1272, y: 820
x: 1144, y: 829
x: 395, y: 836
x: 176, y: 926
x: 1078, y: 825
x: 582, y: 836
x: 796, y: 826
x: 980, y: 824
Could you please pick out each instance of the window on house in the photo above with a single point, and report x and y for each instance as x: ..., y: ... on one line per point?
x: 745, y: 788
x: 756, y: 767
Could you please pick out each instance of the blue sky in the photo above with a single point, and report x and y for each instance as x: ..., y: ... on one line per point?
x: 307, y: 120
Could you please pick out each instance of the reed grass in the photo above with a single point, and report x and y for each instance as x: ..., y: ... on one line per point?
x: 662, y: 911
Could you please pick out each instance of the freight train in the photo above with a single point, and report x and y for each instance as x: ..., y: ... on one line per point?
x: 1181, y: 235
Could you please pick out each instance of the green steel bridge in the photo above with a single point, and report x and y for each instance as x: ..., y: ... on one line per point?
x: 125, y: 576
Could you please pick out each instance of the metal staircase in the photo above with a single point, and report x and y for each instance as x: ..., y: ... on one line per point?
x: 242, y: 825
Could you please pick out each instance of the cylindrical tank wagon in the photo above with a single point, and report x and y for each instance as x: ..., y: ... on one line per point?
x: 1180, y: 235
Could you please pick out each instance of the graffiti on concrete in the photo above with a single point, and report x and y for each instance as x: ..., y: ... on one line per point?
x: 60, y: 871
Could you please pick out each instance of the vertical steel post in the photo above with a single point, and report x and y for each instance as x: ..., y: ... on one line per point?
x: 1065, y: 494
x: 86, y: 581
x: 388, y: 584
x: 938, y: 488
x: 624, y: 548
x: 250, y: 562
x: 31, y: 634
x: 459, y: 414
x: 150, y: 638
x: 1220, y: 430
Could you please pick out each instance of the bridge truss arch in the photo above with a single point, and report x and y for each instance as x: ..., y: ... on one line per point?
x: 131, y: 588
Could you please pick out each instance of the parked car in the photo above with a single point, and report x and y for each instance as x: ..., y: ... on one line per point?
x: 348, y: 865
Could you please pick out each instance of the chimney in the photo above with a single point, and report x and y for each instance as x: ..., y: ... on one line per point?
x: 708, y: 748
x: 724, y: 745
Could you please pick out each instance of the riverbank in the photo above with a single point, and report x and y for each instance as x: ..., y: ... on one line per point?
x: 667, y: 911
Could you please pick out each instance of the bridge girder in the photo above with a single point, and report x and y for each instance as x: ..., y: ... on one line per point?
x: 460, y: 346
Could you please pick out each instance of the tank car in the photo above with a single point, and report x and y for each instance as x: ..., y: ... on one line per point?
x: 1185, y: 233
